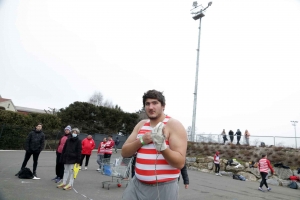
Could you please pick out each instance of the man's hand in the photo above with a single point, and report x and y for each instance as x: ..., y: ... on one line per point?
x: 158, y: 137
x: 147, y: 138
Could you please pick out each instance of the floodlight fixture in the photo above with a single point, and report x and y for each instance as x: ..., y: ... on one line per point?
x: 195, y: 3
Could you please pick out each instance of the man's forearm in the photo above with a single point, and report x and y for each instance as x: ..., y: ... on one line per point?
x: 131, y: 148
x: 174, y: 158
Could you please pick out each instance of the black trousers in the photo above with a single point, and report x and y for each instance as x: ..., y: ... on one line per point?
x: 217, y: 168
x: 86, y: 160
x: 59, y: 168
x: 263, y: 179
x: 35, y: 159
x: 238, y: 139
x: 231, y: 138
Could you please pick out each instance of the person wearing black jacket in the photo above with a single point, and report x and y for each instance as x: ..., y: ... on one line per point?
x: 33, y: 146
x: 185, y: 177
x: 70, y: 156
x: 238, y: 136
x: 230, y: 135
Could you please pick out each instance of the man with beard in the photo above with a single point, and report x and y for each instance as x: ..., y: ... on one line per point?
x: 34, y: 145
x: 160, y: 143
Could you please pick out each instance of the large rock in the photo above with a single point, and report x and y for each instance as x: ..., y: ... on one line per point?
x: 223, y: 173
x: 248, y: 176
x: 272, y: 181
x: 283, y: 182
x: 200, y: 160
x: 295, y: 172
x: 246, y: 165
x: 209, y: 159
x: 190, y: 159
x: 235, y: 168
x: 210, y: 165
x: 253, y: 171
x: 202, y: 165
x: 283, y: 173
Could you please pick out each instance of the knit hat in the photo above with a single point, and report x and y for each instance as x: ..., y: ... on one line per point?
x: 68, y: 128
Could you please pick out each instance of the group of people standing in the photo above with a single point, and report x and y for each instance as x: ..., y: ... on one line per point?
x: 238, y: 135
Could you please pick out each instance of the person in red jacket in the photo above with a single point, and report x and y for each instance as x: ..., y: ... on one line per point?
x: 100, y: 152
x: 109, y: 147
x: 264, y: 165
x: 88, y: 144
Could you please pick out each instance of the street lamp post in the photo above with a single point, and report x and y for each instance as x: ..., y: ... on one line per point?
x: 294, y: 123
x: 197, y: 15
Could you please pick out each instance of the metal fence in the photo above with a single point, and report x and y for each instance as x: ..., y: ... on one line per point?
x: 254, y: 140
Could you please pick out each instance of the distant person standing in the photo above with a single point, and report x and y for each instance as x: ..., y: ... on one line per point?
x: 117, y: 142
x: 108, y: 147
x: 224, y: 136
x: 238, y: 136
x: 100, y: 152
x: 70, y: 156
x: 217, y: 163
x: 33, y: 146
x: 247, y: 136
x: 231, y: 135
x: 59, y: 168
x: 88, y: 144
x: 264, y: 165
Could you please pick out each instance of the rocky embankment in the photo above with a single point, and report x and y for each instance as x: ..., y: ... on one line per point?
x: 206, y: 164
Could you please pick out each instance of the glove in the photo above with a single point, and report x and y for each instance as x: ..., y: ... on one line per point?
x: 158, y: 138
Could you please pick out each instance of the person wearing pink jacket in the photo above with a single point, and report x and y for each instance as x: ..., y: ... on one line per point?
x: 264, y: 165
x: 88, y: 144
x: 100, y: 152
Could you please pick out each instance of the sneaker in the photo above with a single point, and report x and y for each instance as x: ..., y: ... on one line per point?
x: 98, y: 169
x: 57, y: 180
x: 217, y: 174
x: 85, y: 168
x: 36, y: 178
x: 260, y: 189
x: 54, y: 179
x: 62, y: 185
x: 269, y: 189
x: 68, y: 187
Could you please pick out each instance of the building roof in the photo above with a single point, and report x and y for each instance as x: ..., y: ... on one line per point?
x: 2, y: 99
x: 29, y: 110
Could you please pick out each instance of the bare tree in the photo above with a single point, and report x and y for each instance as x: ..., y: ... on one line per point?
x: 96, y: 99
x: 108, y: 104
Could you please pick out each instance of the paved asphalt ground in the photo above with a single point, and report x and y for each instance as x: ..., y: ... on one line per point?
x: 203, y: 186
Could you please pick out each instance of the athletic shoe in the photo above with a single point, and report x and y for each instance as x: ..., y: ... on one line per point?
x: 98, y: 169
x: 54, y: 179
x: 62, y: 185
x: 36, y: 178
x: 57, y: 180
x: 217, y: 174
x: 260, y: 189
x: 269, y: 189
x: 68, y: 187
x: 85, y: 168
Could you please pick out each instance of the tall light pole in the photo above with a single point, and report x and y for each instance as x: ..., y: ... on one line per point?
x: 294, y: 123
x: 197, y: 14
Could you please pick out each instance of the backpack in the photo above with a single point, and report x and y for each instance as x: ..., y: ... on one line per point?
x: 25, y: 173
x: 236, y: 176
x: 294, y: 178
x: 242, y: 178
x: 293, y: 185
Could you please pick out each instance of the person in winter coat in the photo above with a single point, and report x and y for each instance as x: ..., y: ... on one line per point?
x: 224, y: 136
x: 264, y: 165
x: 247, y: 136
x: 217, y: 164
x: 185, y: 177
x: 238, y: 136
x: 100, y: 152
x: 117, y: 142
x: 59, y: 168
x: 70, y: 156
x: 231, y: 135
x: 88, y: 144
x: 34, y: 144
x: 108, y: 147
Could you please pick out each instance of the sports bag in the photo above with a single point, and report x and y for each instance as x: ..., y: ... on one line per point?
x: 25, y: 173
x: 293, y: 185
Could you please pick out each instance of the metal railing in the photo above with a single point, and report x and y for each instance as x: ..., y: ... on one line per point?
x: 254, y: 140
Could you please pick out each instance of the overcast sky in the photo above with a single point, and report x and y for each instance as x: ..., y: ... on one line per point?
x: 55, y: 52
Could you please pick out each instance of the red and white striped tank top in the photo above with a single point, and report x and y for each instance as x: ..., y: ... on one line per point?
x: 147, y: 157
